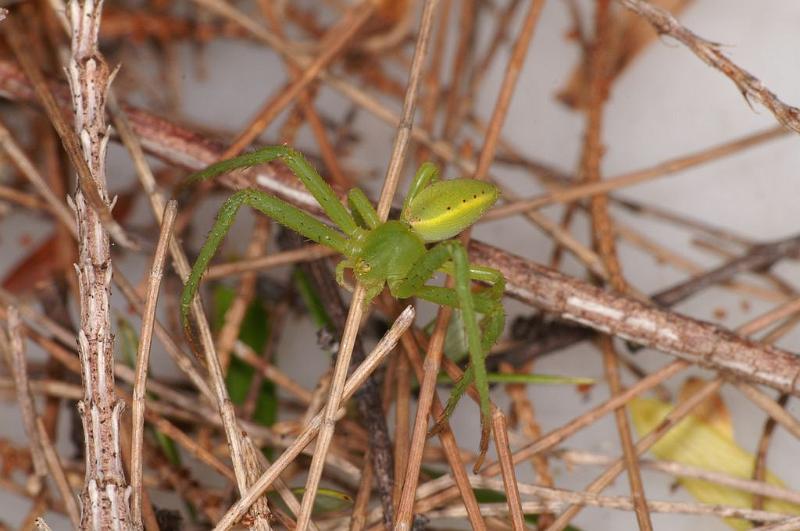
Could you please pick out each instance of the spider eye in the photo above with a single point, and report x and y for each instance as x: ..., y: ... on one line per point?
x: 363, y: 267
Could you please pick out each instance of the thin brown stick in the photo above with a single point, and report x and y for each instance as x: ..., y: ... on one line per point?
x: 558, y: 498
x: 500, y: 430
x: 21, y: 198
x: 335, y: 398
x: 525, y: 415
x: 309, y: 253
x: 445, y: 434
x: 419, y: 434
x: 771, y: 407
x: 405, y: 123
x: 358, y: 519
x: 402, y: 377
x: 581, y: 191
x: 466, y: 41
x: 757, y: 258
x: 143, y: 356
x: 760, y: 467
x: 783, y: 311
x: 431, y: 94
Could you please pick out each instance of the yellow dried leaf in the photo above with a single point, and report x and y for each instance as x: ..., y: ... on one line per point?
x: 701, y: 444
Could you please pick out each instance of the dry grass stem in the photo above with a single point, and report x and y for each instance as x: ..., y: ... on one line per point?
x: 500, y: 430
x: 577, y: 457
x: 262, y: 263
x: 143, y: 356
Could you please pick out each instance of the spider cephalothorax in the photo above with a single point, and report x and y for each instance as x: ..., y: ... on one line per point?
x: 402, y: 254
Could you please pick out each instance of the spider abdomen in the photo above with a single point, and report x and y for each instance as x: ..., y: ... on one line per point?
x: 445, y: 208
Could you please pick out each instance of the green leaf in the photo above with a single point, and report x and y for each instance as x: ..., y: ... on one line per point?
x: 254, y: 332
x: 327, y: 500
x: 536, y: 379
x: 548, y: 379
x: 128, y: 341
x: 489, y: 496
x: 311, y: 300
x: 169, y: 448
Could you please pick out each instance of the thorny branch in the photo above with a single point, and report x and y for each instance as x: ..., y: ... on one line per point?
x: 105, y: 498
x: 750, y: 86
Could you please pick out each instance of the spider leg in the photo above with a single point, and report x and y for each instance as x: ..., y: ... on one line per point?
x: 340, y: 269
x: 362, y: 208
x: 304, y: 171
x: 271, y: 206
x: 414, y: 284
x: 492, y: 326
x: 426, y: 174
x: 493, y: 277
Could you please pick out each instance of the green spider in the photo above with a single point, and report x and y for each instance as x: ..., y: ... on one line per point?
x: 394, y: 253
